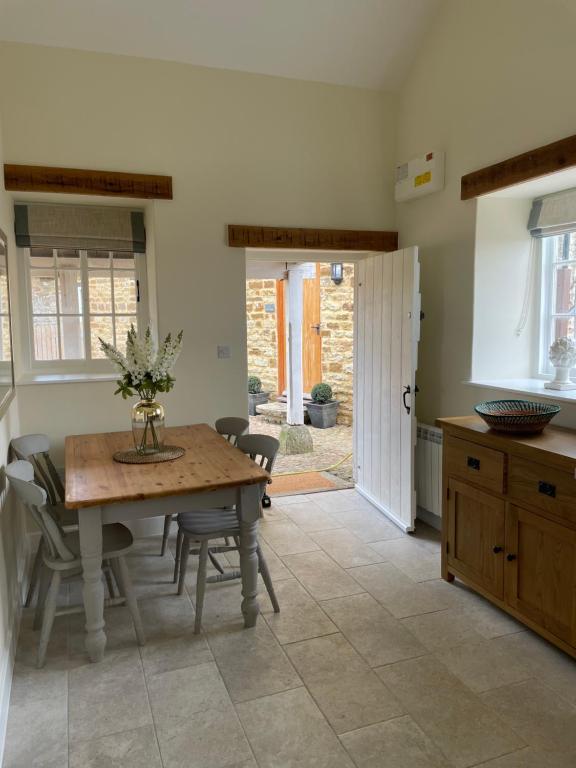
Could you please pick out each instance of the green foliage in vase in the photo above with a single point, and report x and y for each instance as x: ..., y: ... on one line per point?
x: 145, y: 368
x: 321, y: 393
x: 254, y: 385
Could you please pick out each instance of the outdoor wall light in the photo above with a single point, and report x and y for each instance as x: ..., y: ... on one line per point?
x: 337, y: 272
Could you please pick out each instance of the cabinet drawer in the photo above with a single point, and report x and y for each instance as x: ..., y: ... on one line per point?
x: 547, y: 488
x: 475, y: 463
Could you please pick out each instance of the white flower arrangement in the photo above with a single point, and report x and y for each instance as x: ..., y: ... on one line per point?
x: 145, y: 370
x: 563, y: 353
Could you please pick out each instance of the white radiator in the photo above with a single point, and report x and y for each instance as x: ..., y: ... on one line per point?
x: 429, y: 469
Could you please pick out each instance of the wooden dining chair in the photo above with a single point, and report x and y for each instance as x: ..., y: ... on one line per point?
x: 36, y: 449
x: 230, y: 427
x: 61, y: 562
x: 202, y: 527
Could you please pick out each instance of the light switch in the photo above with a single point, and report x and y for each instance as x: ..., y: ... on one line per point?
x: 223, y: 352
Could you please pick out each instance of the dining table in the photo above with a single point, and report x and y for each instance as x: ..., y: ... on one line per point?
x: 211, y: 474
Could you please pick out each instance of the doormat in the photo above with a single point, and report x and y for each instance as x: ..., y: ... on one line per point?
x: 307, y: 482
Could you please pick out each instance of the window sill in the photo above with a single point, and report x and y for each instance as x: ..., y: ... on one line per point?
x: 64, y: 378
x: 526, y: 387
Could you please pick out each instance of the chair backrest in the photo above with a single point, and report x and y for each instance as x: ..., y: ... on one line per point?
x: 232, y: 427
x: 34, y: 497
x: 261, y: 448
x: 35, y: 449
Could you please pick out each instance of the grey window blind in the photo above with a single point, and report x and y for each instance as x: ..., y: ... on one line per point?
x: 90, y: 227
x: 554, y: 214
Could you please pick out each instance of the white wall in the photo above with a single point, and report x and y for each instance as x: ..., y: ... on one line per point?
x: 491, y: 80
x: 12, y: 538
x: 240, y: 148
x: 502, y: 266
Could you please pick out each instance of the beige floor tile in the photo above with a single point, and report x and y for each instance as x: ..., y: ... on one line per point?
x: 545, y: 662
x: 288, y: 731
x: 120, y: 635
x: 278, y: 570
x: 347, y: 691
x: 251, y: 661
x: 129, y: 749
x: 411, y: 556
x: 537, y: 713
x: 397, y: 592
x: 342, y: 501
x: 212, y: 738
x: 286, y: 538
x: 345, y: 548
x: 465, y: 730
x: 427, y: 536
x: 309, y: 517
x: 30, y: 683
x: 321, y: 576
x: 532, y: 758
x: 397, y: 743
x: 417, y: 679
x: 37, y: 734
x: 372, y: 630
x: 166, y: 616
x: 108, y: 697
x: 483, y: 665
x: 295, y: 498
x: 368, y: 524
x: 300, y: 617
x: 176, y: 695
x: 442, y: 629
x: 175, y: 653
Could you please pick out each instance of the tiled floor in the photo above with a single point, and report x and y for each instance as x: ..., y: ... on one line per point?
x: 373, y: 662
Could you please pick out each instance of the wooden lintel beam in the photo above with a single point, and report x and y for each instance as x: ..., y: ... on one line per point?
x: 246, y: 236
x: 77, y: 181
x: 530, y: 165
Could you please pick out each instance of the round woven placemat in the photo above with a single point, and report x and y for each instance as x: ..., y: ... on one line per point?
x: 168, y: 453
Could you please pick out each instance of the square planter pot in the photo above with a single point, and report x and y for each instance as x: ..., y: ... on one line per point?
x: 254, y: 400
x: 323, y: 415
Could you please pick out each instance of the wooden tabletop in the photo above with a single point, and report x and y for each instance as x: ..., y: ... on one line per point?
x: 210, y: 462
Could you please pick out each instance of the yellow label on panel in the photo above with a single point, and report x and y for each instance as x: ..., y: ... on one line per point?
x: 423, y: 178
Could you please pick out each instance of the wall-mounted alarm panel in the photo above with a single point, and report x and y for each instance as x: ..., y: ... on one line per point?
x: 419, y: 176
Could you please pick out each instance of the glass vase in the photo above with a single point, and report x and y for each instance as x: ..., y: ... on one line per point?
x: 148, y: 427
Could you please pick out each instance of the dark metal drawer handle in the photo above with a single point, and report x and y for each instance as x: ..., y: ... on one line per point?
x: 547, y: 489
x: 496, y: 550
x: 510, y: 558
x: 473, y: 463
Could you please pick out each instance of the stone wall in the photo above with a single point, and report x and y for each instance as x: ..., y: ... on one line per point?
x: 337, y: 328
x: 261, y: 320
x: 337, y: 319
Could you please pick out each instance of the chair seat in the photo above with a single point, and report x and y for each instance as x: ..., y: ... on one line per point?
x: 206, y: 521
x: 116, y: 541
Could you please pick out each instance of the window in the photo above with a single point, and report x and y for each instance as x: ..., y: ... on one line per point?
x: 558, y: 302
x: 76, y: 296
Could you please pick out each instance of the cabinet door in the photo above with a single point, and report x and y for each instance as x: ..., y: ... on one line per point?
x: 475, y: 545
x: 541, y: 571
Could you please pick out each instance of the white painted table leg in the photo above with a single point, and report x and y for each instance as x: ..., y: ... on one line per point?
x: 248, y: 507
x: 90, y: 530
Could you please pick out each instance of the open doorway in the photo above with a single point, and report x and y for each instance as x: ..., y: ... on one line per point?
x: 327, y: 358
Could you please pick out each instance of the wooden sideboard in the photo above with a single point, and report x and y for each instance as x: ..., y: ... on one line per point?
x: 509, y: 522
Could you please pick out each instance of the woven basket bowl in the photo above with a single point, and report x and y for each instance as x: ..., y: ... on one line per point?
x: 516, y: 415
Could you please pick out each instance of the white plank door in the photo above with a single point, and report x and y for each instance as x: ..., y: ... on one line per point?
x: 387, y: 331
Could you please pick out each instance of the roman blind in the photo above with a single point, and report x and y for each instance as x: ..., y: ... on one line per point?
x: 89, y: 227
x: 553, y: 214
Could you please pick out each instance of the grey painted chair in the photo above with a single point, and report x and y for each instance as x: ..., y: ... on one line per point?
x: 204, y: 526
x: 36, y: 450
x: 61, y: 561
x: 230, y: 427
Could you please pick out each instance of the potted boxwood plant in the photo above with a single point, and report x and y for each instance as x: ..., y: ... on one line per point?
x: 255, y: 394
x: 323, y: 409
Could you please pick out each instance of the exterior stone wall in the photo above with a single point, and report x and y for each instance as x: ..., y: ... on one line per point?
x: 337, y: 328
x: 261, y: 319
x: 337, y: 324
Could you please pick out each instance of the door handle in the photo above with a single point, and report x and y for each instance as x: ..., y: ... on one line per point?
x: 407, y: 391
x: 510, y: 558
x: 496, y: 549
x: 316, y: 327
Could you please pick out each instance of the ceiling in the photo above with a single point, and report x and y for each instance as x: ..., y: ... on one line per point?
x: 362, y: 43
